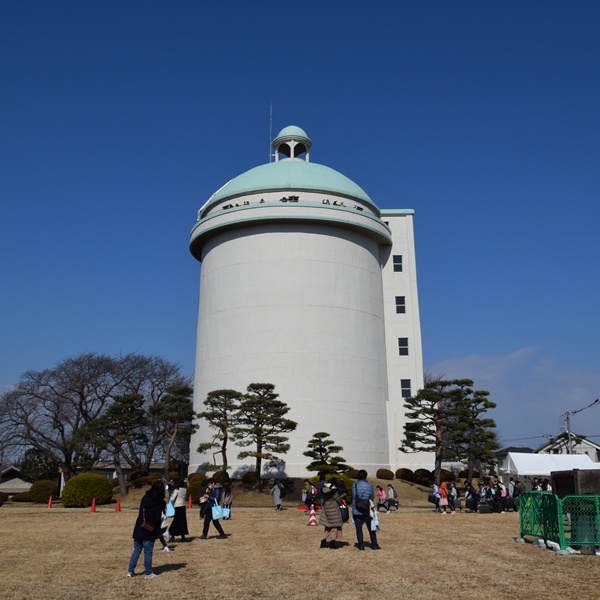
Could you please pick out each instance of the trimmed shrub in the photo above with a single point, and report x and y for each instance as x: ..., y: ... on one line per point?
x: 3, y: 498
x: 347, y: 481
x: 447, y: 476
x: 465, y: 472
x: 423, y: 477
x: 249, y: 478
x: 147, y: 480
x: 136, y: 475
x: 352, y: 473
x: 405, y: 474
x: 194, y: 490
x: 198, y: 476
x: 115, y: 482
x: 41, y: 491
x: 22, y: 497
x: 80, y: 490
x: 384, y: 474
x: 174, y: 475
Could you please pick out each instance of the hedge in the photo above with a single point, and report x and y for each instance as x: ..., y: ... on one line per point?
x: 80, y: 490
x: 41, y: 491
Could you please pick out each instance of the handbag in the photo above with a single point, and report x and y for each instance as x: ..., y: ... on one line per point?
x: 226, y: 513
x: 432, y: 498
x: 362, y: 506
x: 344, y: 513
x: 217, y: 512
x: 145, y: 524
x: 170, y: 510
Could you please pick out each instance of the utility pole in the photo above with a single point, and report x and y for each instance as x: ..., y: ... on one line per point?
x: 567, y: 416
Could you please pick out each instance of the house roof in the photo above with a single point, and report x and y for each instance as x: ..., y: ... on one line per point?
x: 521, y: 449
x: 561, y: 440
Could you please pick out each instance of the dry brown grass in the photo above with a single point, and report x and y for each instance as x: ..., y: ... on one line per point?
x: 70, y: 554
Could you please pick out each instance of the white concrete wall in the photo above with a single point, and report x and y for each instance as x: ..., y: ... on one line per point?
x: 299, y: 306
x: 403, y: 325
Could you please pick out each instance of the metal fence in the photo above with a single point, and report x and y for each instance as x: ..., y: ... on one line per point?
x: 572, y: 521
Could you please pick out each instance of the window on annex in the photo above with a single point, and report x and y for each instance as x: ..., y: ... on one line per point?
x: 400, y: 304
x: 397, y: 260
x: 403, y: 346
x: 405, y: 385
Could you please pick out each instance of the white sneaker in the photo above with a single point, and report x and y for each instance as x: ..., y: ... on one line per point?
x: 151, y: 576
x: 387, y: 512
x: 130, y: 574
x: 166, y: 549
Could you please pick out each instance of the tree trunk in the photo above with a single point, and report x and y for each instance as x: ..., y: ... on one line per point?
x: 120, y: 476
x: 168, y: 451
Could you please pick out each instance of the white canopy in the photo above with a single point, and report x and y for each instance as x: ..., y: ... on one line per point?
x: 543, y: 464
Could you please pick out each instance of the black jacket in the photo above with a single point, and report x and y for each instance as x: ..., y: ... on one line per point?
x: 151, y: 509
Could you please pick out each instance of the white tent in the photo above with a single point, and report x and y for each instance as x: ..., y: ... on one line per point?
x: 543, y: 464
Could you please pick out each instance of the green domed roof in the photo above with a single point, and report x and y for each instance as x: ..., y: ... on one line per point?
x: 292, y: 175
x: 292, y: 131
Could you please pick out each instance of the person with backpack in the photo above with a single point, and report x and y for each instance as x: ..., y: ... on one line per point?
x: 362, y: 505
x: 392, y: 497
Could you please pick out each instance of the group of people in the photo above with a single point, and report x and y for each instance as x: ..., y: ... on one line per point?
x: 152, y: 522
x: 445, y: 497
x: 493, y: 495
x: 332, y: 497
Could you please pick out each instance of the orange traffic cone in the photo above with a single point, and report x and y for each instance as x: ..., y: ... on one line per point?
x: 93, y: 509
x: 118, y: 509
x: 50, y: 502
x: 312, y: 520
x: 190, y: 501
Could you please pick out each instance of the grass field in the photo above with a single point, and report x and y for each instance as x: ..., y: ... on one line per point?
x: 72, y: 554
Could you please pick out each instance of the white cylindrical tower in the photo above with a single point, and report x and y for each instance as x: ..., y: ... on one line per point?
x: 291, y: 294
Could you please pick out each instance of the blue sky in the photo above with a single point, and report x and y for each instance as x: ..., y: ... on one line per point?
x: 119, y: 119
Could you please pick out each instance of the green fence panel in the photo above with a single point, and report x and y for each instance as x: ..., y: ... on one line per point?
x: 572, y: 521
x: 580, y: 521
x: 530, y: 513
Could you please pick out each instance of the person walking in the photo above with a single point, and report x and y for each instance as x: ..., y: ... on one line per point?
x: 362, y: 504
x: 147, y: 528
x: 392, y: 497
x: 276, y: 493
x: 213, y: 498
x: 227, y: 498
x: 179, y: 524
x: 331, y: 517
x: 444, y: 502
x: 382, y: 500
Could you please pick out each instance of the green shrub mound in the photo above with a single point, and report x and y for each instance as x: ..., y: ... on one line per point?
x: 115, y: 482
x: 174, y: 475
x: 136, y: 475
x: 146, y: 480
x: 22, y: 497
x: 405, y: 474
x: 194, y: 490
x: 198, y: 476
x: 3, y: 498
x: 423, y: 477
x: 80, y: 490
x: 42, y: 490
x: 352, y: 473
x: 347, y: 481
x: 249, y: 478
x: 384, y: 474
x: 447, y: 476
x: 465, y: 473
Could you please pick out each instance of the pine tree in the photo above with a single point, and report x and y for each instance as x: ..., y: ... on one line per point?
x: 220, y: 413
x: 321, y: 450
x: 260, y: 422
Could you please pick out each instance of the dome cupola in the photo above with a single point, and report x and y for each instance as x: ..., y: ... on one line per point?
x: 292, y: 141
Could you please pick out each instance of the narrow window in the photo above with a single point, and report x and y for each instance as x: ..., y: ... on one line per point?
x: 403, y: 346
x: 400, y: 304
x: 405, y: 385
x: 397, y: 258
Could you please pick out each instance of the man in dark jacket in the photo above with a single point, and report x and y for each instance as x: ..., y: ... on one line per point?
x: 362, y: 497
